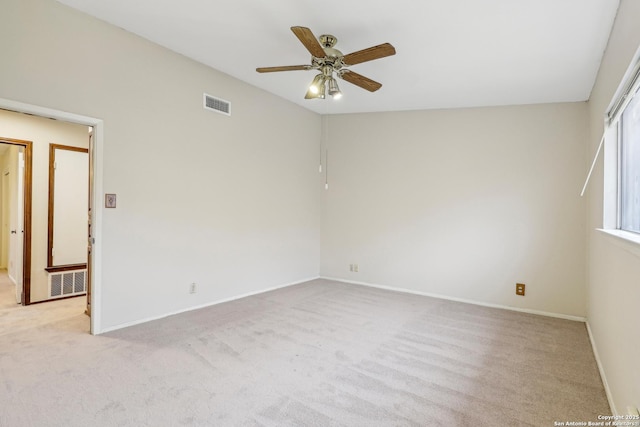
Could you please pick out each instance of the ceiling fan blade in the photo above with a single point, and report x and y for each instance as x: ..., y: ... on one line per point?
x: 309, y: 41
x: 360, y: 80
x: 283, y: 68
x: 369, y: 54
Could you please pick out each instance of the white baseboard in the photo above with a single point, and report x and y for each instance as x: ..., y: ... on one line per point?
x: 466, y: 301
x: 197, y: 307
x: 371, y: 285
x: 603, y: 377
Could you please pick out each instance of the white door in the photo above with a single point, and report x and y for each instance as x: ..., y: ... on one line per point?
x: 16, y: 224
x: 6, y: 225
x: 19, y: 236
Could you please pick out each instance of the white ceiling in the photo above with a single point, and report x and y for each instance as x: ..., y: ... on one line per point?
x: 450, y: 54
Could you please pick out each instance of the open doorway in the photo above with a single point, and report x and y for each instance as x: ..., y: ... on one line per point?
x: 95, y: 187
x: 33, y: 138
x: 15, y: 219
x: 29, y: 232
x: 50, y: 178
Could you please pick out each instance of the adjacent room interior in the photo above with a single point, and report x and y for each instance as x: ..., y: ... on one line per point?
x: 387, y: 258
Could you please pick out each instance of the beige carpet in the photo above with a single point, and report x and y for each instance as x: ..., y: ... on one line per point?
x: 318, y: 354
x: 15, y: 318
x: 7, y: 291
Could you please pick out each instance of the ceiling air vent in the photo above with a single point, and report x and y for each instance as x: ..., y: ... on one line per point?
x: 216, y: 104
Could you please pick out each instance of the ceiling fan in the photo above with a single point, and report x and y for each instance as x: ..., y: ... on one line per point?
x: 329, y: 61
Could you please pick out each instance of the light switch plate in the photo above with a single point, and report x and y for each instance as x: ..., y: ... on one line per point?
x: 109, y: 200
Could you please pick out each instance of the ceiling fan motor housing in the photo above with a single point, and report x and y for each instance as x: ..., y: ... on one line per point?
x: 332, y: 57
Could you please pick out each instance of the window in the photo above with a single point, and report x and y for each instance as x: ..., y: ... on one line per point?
x: 621, y: 143
x: 629, y: 148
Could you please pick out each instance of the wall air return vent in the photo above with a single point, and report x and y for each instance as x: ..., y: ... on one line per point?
x: 67, y: 283
x: 216, y: 104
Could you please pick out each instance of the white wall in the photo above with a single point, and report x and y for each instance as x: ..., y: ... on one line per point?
x: 461, y: 203
x: 614, y: 270
x: 41, y: 132
x: 231, y: 203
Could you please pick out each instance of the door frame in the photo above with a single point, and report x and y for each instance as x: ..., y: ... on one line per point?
x: 96, y: 155
x: 27, y: 200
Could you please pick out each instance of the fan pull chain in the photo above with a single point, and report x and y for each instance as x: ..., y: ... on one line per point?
x: 326, y: 171
x: 324, y: 137
x: 320, y: 166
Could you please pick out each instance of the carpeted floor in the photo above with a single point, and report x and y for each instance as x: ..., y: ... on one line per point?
x: 317, y: 354
x: 7, y: 291
x: 15, y: 318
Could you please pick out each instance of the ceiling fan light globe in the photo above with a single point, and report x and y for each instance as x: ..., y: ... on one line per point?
x: 316, y: 84
x: 311, y: 95
x: 334, y: 90
x: 322, y: 91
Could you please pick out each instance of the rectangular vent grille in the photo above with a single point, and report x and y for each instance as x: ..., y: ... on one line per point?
x: 217, y: 104
x: 67, y: 283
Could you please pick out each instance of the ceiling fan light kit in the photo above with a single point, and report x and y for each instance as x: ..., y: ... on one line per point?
x: 334, y: 90
x: 316, y: 88
x: 330, y: 61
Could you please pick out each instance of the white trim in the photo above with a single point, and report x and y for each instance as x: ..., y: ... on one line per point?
x: 98, y: 125
x: 603, y: 377
x: 209, y: 304
x: 8, y: 104
x: 610, y: 176
x: 463, y: 300
x: 96, y: 229
x: 629, y: 84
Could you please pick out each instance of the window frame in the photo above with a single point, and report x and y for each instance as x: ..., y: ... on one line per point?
x: 634, y: 92
x: 612, y: 143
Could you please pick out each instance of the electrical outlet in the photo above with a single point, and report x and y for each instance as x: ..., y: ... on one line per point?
x: 355, y: 268
x: 192, y: 288
x: 520, y: 289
